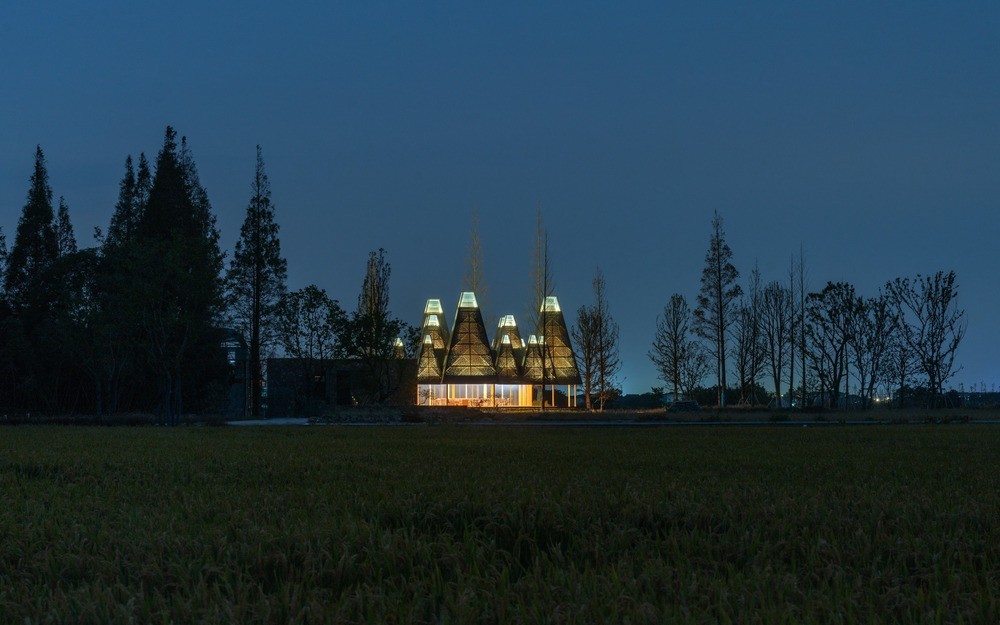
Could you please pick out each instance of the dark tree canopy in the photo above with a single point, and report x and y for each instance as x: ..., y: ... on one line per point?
x: 177, y: 266
x: 36, y: 245
x: 65, y: 238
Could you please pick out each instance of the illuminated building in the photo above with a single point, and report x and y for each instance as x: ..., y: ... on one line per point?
x: 463, y: 367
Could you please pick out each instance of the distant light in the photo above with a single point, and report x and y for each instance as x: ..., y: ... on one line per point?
x: 551, y: 304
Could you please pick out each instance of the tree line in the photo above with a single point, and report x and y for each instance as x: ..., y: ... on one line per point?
x: 138, y: 322
x: 813, y: 348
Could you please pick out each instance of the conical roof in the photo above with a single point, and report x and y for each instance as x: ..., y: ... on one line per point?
x: 469, y: 357
x: 531, y: 368
x: 558, y: 358
x: 430, y: 359
x: 506, y: 363
x: 428, y: 362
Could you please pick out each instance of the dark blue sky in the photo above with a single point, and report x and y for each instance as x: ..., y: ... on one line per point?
x: 868, y: 133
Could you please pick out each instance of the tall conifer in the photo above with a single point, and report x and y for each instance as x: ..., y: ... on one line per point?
x: 126, y: 214
x: 179, y: 288
x: 35, y: 244
x: 255, y: 282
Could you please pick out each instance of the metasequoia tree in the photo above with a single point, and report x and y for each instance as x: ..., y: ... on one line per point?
x: 474, y: 280
x: 672, y: 343
x: 718, y: 300
x: 596, y: 338
x: 176, y: 263
x: 36, y: 245
x: 542, y: 285
x: 931, y: 324
x: 776, y: 329
x: 584, y: 334
x: 255, y: 282
x: 749, y: 349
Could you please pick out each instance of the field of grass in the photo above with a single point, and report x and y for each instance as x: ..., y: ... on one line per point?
x: 516, y: 524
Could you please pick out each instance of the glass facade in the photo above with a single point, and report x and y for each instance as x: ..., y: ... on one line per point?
x: 475, y: 395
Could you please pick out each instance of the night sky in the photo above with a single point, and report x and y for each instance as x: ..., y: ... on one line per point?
x: 866, y: 132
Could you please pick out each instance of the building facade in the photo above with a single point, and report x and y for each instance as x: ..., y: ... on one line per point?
x: 458, y: 365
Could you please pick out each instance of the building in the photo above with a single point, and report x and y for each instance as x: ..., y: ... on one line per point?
x: 461, y: 366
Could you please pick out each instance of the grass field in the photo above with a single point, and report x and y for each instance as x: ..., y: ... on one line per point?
x: 517, y: 524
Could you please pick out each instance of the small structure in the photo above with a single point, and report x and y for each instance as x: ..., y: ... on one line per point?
x: 472, y: 370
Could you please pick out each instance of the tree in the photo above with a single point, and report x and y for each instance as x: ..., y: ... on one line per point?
x: 870, y: 340
x: 584, y: 334
x: 608, y: 361
x: 931, y: 324
x: 749, y: 349
x: 717, y: 301
x: 310, y: 327
x: 373, y: 331
x: 671, y: 343
x: 255, y: 282
x: 177, y: 266
x: 127, y: 210
x: 596, y: 337
x: 65, y: 239
x: 474, y: 281
x: 694, y: 367
x: 830, y: 314
x: 542, y: 286
x: 35, y: 243
x: 776, y: 330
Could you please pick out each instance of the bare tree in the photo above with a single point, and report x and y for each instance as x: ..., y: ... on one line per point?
x: 872, y: 326
x: 543, y: 285
x: 718, y: 301
x: 585, y: 337
x: 803, y: 346
x: 901, y: 364
x: 608, y: 361
x: 474, y: 276
x: 695, y: 366
x: 932, y: 325
x: 830, y: 313
x: 671, y: 342
x: 776, y: 330
x: 793, y: 326
x: 749, y: 349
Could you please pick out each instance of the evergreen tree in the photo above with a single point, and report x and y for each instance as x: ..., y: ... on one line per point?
x: 177, y: 267
x: 35, y: 244
x: 255, y: 282
x: 126, y: 214
x: 65, y: 238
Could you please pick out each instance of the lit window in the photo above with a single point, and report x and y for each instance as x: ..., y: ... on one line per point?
x: 468, y: 300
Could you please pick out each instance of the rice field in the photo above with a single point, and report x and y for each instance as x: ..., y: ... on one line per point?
x: 452, y: 524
